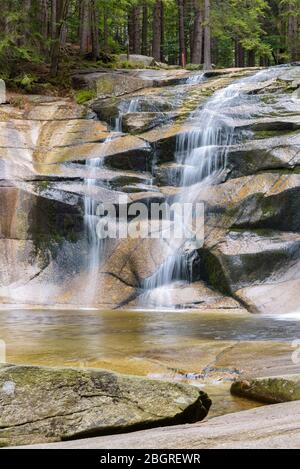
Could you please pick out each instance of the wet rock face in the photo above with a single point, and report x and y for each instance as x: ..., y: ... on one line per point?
x: 42, y: 404
x: 47, y: 150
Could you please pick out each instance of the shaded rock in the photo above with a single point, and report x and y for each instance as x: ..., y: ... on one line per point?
x: 270, y: 390
x: 43, y: 404
x: 248, y: 258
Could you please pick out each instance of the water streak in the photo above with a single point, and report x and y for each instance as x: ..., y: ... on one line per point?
x: 203, y: 151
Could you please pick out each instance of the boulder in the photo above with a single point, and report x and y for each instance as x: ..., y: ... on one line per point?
x: 2, y: 92
x: 39, y: 405
x: 136, y: 59
x: 251, y: 258
x: 271, y: 390
x: 137, y: 122
x: 109, y: 84
x: 267, y: 427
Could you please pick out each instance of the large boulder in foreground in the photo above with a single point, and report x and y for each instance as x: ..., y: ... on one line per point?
x: 40, y: 405
x: 273, y: 426
x: 271, y: 390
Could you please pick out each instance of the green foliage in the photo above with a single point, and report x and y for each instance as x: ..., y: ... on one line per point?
x: 83, y: 96
x: 260, y: 27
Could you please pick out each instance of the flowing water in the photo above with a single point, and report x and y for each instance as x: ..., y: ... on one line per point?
x: 202, y: 150
x: 196, y: 79
x: 96, y: 244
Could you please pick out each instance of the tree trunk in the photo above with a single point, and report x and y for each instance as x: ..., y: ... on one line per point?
x: 61, y: 15
x: 85, y: 17
x: 44, y: 21
x: 145, y: 30
x: 197, y: 43
x: 207, y: 36
x: 95, y: 30
x: 137, y: 14
x: 53, y: 19
x: 293, y: 37
x: 131, y: 32
x: 251, y: 58
x: 156, y: 41
x: 182, y: 49
x: 105, y: 29
x: 239, y: 55
x: 162, y: 33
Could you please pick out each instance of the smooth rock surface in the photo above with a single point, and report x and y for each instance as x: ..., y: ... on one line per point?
x: 268, y: 427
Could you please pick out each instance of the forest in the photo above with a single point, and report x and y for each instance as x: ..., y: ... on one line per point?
x: 40, y: 39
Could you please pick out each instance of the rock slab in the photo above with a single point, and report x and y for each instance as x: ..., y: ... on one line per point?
x: 42, y: 405
x: 271, y: 390
x: 274, y: 426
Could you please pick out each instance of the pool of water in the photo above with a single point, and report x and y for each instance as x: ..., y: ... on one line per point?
x: 168, y: 345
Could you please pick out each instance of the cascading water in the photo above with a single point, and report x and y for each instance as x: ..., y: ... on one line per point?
x: 96, y: 244
x: 202, y: 151
x: 195, y: 79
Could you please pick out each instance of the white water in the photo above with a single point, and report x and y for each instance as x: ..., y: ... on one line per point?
x: 96, y: 244
x: 195, y: 79
x: 203, y: 151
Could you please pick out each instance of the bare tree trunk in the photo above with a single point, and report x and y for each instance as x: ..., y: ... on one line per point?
x: 145, y: 30
x: 44, y: 21
x: 95, y: 30
x: 85, y: 20
x: 131, y: 32
x: 62, y: 13
x: 162, y: 33
x: 53, y: 19
x: 197, y: 44
x: 251, y: 58
x: 207, y: 36
x: 182, y: 49
x: 105, y: 29
x: 239, y: 55
x: 137, y: 13
x: 293, y: 36
x: 156, y: 42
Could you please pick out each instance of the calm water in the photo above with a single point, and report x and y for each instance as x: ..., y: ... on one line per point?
x: 157, y: 344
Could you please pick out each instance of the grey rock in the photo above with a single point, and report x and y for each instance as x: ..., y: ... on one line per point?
x: 42, y: 404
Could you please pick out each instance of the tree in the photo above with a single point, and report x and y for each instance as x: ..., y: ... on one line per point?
x: 156, y: 30
x: 197, y: 37
x: 181, y: 35
x: 145, y: 29
x: 61, y: 16
x: 207, y: 36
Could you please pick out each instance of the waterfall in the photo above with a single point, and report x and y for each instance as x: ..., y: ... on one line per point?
x: 94, y: 165
x: 195, y: 79
x: 127, y: 107
x: 203, y: 151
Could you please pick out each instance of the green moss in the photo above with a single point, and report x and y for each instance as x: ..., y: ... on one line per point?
x: 84, y: 96
x: 212, y: 272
